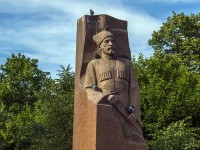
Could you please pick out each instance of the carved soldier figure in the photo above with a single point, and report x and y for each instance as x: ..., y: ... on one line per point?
x: 111, y: 80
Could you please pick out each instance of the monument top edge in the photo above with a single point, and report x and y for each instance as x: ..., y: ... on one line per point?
x: 102, y: 16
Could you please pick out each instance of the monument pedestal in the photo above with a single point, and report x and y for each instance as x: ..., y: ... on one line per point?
x: 95, y: 128
x: 84, y: 130
x: 109, y: 132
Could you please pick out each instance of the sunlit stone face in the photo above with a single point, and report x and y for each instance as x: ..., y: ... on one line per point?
x: 108, y: 46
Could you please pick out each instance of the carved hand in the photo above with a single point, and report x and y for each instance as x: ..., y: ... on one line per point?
x: 113, y: 99
x: 132, y: 118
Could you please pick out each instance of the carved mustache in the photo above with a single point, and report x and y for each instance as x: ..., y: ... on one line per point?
x: 111, y: 47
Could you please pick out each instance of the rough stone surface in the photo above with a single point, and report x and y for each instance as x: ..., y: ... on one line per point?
x: 84, y: 125
x: 110, y: 137
x: 101, y: 121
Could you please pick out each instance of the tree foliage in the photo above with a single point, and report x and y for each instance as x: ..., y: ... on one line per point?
x: 177, y: 135
x: 35, y: 111
x: 179, y: 35
x: 170, y: 85
x: 20, y: 80
x: 55, y: 113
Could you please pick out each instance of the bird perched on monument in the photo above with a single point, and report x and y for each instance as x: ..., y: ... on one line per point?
x: 91, y: 12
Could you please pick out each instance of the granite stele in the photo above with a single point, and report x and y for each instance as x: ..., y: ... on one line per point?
x: 107, y: 96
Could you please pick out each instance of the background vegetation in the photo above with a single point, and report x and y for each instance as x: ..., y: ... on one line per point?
x: 36, y: 112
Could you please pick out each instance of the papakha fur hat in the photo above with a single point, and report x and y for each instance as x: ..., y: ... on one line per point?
x: 99, y: 37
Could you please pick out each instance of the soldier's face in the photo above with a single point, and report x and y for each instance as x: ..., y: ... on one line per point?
x: 108, y: 46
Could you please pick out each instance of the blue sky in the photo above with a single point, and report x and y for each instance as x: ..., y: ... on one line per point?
x: 46, y: 29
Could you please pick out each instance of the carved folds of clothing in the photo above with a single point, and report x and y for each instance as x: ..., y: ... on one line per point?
x: 114, y: 76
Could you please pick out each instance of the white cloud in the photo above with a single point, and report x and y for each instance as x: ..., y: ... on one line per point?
x: 171, y: 1
x: 51, y: 40
x: 181, y: 1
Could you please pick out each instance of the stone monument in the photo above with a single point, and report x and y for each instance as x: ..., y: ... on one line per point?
x: 107, y: 98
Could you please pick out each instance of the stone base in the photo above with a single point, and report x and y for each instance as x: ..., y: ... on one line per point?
x: 96, y: 128
x: 109, y: 134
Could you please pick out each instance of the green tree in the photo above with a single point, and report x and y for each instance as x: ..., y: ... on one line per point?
x: 170, y: 93
x: 179, y: 35
x: 55, y: 113
x: 36, y: 112
x: 177, y: 135
x: 170, y: 85
x: 20, y: 81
